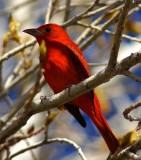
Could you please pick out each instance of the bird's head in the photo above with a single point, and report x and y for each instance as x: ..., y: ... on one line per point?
x: 47, y: 32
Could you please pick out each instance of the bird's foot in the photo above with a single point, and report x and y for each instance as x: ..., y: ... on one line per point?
x: 62, y: 108
x: 43, y: 98
x: 69, y: 89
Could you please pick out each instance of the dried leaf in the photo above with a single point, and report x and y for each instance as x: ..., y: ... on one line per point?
x: 12, y: 33
x: 129, y: 138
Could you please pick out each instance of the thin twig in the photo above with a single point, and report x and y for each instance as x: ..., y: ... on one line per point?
x: 132, y: 76
x: 50, y: 116
x: 103, y: 8
x: 98, y: 33
x: 28, y: 144
x: 7, y: 153
x: 18, y: 80
x: 77, y: 4
x: 67, y: 10
x: 97, y: 64
x: 88, y: 30
x: 49, y: 11
x: 15, y: 73
x: 18, y: 106
x: 134, y: 39
x: 79, y: 16
x: 24, y: 63
x: 8, y: 100
x: 26, y: 141
x: 16, y: 50
x: 131, y: 108
x: 50, y: 141
x: 136, y: 7
x: 33, y: 92
x: 118, y: 34
x: 1, y: 85
x: 13, y: 140
x: 99, y: 10
x: 9, y: 10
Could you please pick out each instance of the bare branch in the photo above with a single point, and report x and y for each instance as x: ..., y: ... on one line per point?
x: 28, y: 144
x: 97, y: 64
x: 77, y: 4
x: 13, y: 8
x: 131, y: 108
x: 16, y: 50
x: 110, y: 6
x: 18, y: 106
x: 66, y: 15
x: 50, y: 141
x: 13, y: 140
x: 49, y: 10
x: 134, y: 39
x: 98, y: 33
x: 132, y: 76
x: 118, y: 34
x: 88, y: 30
x: 77, y: 17
x: 18, y: 80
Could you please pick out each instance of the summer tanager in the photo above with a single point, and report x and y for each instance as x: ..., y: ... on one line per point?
x: 63, y: 65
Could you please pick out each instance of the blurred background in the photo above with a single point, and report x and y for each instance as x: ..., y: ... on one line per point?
x: 115, y: 96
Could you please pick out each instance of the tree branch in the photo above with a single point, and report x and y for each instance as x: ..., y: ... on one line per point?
x: 66, y: 14
x: 99, y: 32
x: 11, y: 53
x: 124, y: 36
x: 79, y: 16
x: 8, y: 10
x: 131, y: 108
x: 132, y: 76
x: 118, y: 34
x: 50, y: 141
x: 49, y: 11
x: 17, y: 80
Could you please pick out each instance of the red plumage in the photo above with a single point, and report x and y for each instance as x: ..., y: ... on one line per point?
x: 64, y: 65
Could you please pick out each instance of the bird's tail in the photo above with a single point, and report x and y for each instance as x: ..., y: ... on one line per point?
x: 103, y: 127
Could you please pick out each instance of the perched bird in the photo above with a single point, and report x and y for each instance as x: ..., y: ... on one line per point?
x: 63, y: 65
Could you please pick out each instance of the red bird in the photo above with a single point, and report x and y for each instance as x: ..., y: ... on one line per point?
x: 64, y: 64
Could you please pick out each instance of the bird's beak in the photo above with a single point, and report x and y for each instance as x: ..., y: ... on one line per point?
x: 34, y: 32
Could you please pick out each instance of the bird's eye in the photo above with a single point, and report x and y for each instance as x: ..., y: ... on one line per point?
x: 48, y: 29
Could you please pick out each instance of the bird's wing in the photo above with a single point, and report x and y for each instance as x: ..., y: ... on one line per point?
x: 78, y: 56
x: 83, y: 71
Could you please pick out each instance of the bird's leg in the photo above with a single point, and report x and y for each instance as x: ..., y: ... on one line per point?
x: 62, y: 108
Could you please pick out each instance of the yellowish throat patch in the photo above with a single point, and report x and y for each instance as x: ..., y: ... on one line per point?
x: 43, y: 48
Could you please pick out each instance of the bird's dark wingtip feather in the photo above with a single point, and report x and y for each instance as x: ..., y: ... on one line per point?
x: 74, y: 111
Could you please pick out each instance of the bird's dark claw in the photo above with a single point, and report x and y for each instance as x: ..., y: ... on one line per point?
x: 69, y: 89
x: 43, y: 98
